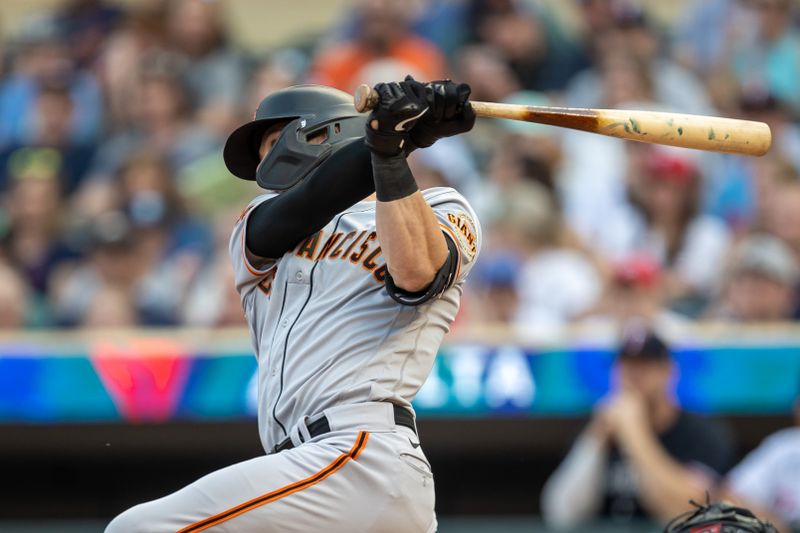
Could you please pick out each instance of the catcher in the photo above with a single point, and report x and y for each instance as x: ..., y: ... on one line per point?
x: 349, y: 277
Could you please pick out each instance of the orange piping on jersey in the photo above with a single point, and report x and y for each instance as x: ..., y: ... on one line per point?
x: 254, y: 271
x: 337, y: 464
x: 455, y: 241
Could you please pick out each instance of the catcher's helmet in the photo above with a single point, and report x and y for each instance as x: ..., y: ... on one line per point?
x: 718, y: 517
x: 308, y: 109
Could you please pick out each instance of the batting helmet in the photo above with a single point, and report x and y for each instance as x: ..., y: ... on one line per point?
x: 309, y: 110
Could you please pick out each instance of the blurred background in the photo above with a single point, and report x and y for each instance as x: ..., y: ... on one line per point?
x: 125, y: 366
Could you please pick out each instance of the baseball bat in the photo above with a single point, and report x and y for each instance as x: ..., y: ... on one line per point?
x: 715, y: 134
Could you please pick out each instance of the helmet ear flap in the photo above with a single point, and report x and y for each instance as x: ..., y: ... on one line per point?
x: 290, y: 159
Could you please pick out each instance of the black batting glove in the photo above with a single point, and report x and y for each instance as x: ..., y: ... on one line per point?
x: 400, y: 106
x: 450, y: 112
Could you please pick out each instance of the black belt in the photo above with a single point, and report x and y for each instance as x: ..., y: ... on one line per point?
x: 402, y: 417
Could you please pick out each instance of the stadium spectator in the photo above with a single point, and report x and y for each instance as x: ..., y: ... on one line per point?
x: 276, y: 72
x: 592, y: 175
x: 159, y: 120
x: 151, y: 248
x: 760, y: 284
x: 636, y: 293
x: 52, y: 140
x: 34, y: 243
x: 540, y: 60
x: 212, y: 300
x: 766, y: 54
x: 141, y: 34
x: 110, y: 307
x: 86, y: 24
x: 634, y: 34
x: 110, y: 263
x: 663, y: 219
x: 772, y: 176
x: 641, y: 454
x: 43, y: 58
x: 214, y: 72
x: 15, y: 302
x: 384, y: 48
x: 556, y: 281
x: 170, y: 246
x: 784, y: 214
x: 768, y: 479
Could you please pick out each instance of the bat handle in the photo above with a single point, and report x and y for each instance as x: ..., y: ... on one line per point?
x: 366, y: 98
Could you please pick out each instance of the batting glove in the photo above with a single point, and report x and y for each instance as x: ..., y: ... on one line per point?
x: 450, y: 112
x: 401, y: 105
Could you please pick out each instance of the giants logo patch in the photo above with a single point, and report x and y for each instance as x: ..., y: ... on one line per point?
x: 465, y: 233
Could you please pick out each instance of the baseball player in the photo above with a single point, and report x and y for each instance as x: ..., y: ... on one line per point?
x: 349, y: 277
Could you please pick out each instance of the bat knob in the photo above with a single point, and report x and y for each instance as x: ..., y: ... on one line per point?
x: 365, y: 98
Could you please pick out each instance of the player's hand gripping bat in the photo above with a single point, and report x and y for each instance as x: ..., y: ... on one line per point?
x: 700, y: 132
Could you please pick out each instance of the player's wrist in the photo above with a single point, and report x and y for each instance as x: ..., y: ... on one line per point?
x: 385, y: 144
x: 393, y: 178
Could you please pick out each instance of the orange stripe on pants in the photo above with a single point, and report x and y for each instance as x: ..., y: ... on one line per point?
x: 277, y: 494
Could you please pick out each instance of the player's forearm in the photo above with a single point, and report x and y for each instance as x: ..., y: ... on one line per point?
x: 666, y: 486
x: 409, y: 233
x: 574, y: 491
x: 278, y: 224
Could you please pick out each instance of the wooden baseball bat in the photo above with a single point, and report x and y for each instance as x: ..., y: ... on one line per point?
x: 715, y: 134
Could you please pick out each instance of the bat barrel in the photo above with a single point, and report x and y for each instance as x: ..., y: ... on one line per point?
x: 715, y: 134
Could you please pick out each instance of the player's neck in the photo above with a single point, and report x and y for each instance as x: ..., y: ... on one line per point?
x: 371, y: 198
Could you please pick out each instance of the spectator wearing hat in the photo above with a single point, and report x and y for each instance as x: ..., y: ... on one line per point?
x: 768, y: 479
x: 760, y: 284
x: 641, y: 455
x: 635, y: 292
x: 662, y: 218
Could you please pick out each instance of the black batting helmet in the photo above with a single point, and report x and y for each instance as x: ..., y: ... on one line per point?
x: 308, y: 109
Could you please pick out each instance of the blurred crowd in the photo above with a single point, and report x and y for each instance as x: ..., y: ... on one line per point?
x: 115, y: 206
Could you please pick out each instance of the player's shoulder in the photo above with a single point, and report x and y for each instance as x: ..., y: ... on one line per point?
x: 258, y: 200
x: 441, y: 195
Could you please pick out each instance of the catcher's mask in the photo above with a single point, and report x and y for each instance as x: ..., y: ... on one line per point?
x: 309, y: 110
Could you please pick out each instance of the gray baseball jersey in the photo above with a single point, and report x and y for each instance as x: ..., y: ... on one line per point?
x: 328, y: 338
x: 324, y: 329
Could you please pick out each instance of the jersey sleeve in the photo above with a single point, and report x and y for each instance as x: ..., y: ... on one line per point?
x: 460, y: 224
x: 249, y: 273
x: 753, y: 479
